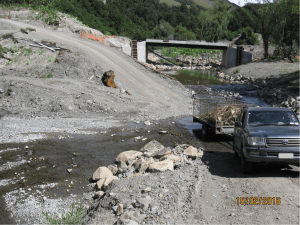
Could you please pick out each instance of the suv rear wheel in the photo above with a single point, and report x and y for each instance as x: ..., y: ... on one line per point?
x: 245, y: 165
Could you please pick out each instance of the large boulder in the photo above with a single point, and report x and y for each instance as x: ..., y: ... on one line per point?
x: 101, y: 172
x: 174, y: 158
x: 161, y: 166
x: 192, y: 152
x: 100, y: 184
x: 128, y: 155
x: 113, y: 169
x: 137, y: 164
x: 152, y: 146
x: 144, y: 167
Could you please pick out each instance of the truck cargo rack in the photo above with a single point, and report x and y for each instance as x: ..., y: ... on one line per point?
x: 207, y: 111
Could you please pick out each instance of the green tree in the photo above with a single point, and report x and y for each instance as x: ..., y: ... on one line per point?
x: 183, y: 34
x: 262, y: 15
x: 286, y: 31
x: 214, y: 21
x: 164, y: 30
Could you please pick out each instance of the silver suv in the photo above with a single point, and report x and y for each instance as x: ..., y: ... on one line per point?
x: 266, y: 135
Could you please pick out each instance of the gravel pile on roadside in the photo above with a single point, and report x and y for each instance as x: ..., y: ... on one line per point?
x: 263, y: 69
x: 155, y: 197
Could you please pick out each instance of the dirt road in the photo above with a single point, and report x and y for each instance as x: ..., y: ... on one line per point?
x: 131, y: 75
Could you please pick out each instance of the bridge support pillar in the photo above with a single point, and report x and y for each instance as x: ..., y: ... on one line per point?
x: 229, y: 57
x: 142, y: 52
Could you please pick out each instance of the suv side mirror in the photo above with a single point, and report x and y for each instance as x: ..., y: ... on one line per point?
x: 238, y: 124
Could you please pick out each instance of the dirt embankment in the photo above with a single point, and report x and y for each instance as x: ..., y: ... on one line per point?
x: 74, y: 88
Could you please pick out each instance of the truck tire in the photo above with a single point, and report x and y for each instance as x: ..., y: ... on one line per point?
x: 245, y: 165
x: 204, y: 131
x: 236, y: 155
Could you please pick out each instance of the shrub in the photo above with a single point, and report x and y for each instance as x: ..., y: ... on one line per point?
x: 49, y: 75
x: 248, y: 36
x: 236, y: 71
x: 8, y: 35
x: 30, y: 29
x: 230, y: 35
x: 73, y: 217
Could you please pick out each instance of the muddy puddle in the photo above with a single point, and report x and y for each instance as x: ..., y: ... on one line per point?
x: 64, y: 166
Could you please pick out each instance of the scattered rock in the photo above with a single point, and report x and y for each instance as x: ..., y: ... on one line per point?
x: 100, y: 173
x: 122, y: 165
x: 100, y: 184
x: 163, y: 191
x: 98, y: 194
x: 147, y: 123
x: 161, y: 166
x: 143, y: 203
x: 120, y: 210
x: 108, y: 180
x: 192, y: 152
x: 108, y: 79
x: 163, y: 132
x: 130, y: 222
x: 152, y: 146
x: 113, y: 169
x: 133, y: 216
x: 174, y: 158
x: 144, y: 167
x: 161, y: 153
x: 127, y: 155
x: 146, y: 190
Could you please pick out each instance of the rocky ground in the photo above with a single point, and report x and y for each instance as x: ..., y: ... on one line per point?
x: 74, y: 116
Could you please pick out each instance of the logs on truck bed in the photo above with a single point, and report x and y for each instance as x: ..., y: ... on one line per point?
x: 108, y: 79
x: 222, y: 115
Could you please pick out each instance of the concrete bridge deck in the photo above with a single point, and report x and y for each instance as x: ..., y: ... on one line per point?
x: 230, y: 55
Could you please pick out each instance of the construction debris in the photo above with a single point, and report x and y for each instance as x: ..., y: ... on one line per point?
x: 108, y: 79
x: 96, y: 38
x: 45, y: 44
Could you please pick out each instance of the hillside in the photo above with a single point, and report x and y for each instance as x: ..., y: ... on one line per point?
x: 205, y: 3
x: 69, y: 84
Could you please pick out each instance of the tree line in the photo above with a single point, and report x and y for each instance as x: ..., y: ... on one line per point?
x: 142, y: 19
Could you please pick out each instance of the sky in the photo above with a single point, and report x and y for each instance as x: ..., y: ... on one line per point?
x: 242, y: 2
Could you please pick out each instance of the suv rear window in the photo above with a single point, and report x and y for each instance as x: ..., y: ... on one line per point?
x: 272, y: 117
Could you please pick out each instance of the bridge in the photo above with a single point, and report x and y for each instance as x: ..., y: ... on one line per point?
x: 230, y: 57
